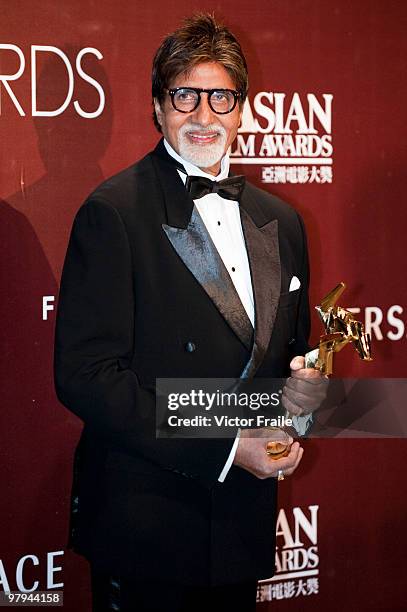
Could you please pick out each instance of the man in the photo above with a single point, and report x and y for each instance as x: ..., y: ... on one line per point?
x: 166, y: 276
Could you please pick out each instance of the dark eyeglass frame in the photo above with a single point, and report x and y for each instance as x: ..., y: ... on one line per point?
x: 198, y: 90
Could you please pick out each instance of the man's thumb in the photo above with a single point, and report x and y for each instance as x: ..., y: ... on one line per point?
x: 297, y: 363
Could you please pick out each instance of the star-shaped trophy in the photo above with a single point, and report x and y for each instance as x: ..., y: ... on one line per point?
x: 340, y: 328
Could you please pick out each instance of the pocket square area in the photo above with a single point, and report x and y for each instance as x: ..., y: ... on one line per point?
x: 294, y: 284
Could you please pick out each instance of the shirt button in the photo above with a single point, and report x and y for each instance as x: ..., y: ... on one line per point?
x: 233, y: 269
x: 190, y: 347
x: 218, y: 222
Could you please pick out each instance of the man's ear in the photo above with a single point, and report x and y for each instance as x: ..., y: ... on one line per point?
x: 158, y: 111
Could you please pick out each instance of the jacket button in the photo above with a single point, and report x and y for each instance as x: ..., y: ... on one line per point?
x: 292, y: 340
x: 190, y: 347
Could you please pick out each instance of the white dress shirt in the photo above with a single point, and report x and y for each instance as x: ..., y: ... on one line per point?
x: 222, y: 220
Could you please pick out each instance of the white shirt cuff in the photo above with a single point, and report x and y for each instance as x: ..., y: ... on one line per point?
x: 230, y: 459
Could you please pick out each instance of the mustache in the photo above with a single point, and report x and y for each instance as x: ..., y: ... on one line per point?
x: 213, y: 127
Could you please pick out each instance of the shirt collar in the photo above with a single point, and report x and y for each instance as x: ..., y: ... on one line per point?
x: 190, y: 169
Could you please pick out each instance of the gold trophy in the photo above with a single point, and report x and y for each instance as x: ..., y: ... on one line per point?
x: 340, y: 328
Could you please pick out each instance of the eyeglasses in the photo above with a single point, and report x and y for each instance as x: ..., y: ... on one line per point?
x: 187, y: 99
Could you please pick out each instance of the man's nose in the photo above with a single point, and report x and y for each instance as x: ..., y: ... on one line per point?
x: 203, y: 114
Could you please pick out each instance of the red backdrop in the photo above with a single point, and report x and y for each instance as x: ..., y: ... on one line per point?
x: 352, y: 54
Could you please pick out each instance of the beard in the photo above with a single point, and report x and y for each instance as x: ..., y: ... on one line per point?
x: 202, y: 155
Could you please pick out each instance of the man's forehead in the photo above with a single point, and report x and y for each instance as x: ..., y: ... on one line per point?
x: 206, y: 75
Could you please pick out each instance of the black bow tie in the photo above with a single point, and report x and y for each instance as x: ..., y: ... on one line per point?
x: 229, y: 188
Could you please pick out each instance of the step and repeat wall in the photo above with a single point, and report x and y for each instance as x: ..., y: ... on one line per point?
x: 324, y: 129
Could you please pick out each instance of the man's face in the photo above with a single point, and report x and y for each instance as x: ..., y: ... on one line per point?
x: 201, y: 137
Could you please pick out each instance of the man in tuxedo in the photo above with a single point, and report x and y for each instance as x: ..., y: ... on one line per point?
x: 176, y: 270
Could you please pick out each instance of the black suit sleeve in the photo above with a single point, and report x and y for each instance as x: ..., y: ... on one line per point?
x: 94, y: 345
x: 303, y: 326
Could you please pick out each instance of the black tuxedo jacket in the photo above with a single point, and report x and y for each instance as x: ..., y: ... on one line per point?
x: 144, y: 294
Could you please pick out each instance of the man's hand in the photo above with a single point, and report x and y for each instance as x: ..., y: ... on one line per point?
x: 305, y: 390
x: 251, y: 455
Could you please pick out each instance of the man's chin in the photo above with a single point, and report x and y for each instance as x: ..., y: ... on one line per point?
x: 202, y: 155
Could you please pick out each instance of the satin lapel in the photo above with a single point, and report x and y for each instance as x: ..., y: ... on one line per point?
x: 196, y: 249
x: 264, y: 257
